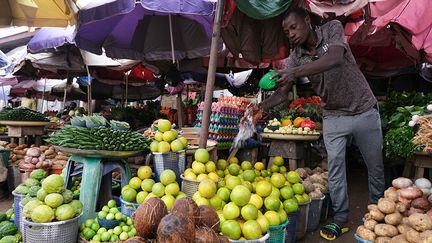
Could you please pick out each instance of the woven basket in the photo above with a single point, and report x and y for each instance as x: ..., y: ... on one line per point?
x: 175, y: 161
x: 18, y: 208
x: 83, y: 240
x: 55, y: 232
x: 189, y: 187
x: 260, y: 240
x: 277, y: 233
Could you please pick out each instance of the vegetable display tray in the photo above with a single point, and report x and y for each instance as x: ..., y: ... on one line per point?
x: 25, y: 123
x: 293, y: 137
x: 99, y: 153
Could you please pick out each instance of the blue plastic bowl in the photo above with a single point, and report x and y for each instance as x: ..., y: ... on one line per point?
x: 90, y: 124
x: 78, y: 123
x: 108, y: 224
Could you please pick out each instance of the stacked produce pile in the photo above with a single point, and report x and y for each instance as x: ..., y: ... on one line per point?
x: 423, y: 136
x: 315, y: 181
x: 185, y: 223
x: 8, y: 231
x: 32, y: 185
x: 301, y: 126
x: 17, y: 152
x: 21, y: 114
x: 44, y: 157
x: 403, y: 215
x: 166, y: 139
x: 98, y: 139
x: 119, y: 227
x: 143, y: 187
x: 250, y: 199
x: 202, y: 168
x: 224, y: 119
x: 51, y: 202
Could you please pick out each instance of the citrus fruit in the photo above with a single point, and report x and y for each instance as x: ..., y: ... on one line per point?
x: 259, y: 166
x: 264, y: 223
x: 158, y: 137
x: 231, y: 229
x: 224, y: 194
x: 240, y: 195
x: 167, y: 177
x: 231, y: 211
x: 232, y: 182
x: 158, y: 189
x: 251, y: 230
x: 176, y: 145
x: 172, y: 189
x: 129, y: 195
x: 168, y: 136
x: 135, y: 183
x: 169, y: 201
x: 275, y: 192
x: 190, y: 176
x: 278, y: 180
x: 272, y: 203
x: 233, y: 160
x: 144, y: 172
x: 298, y: 188
x: 216, y: 202
x: 141, y: 196
x: 210, y: 166
x: 164, y: 147
x: 278, y: 160
x: 202, y: 155
x: 282, y: 169
x: 300, y: 199
x: 207, y: 188
x: 213, y: 176
x: 290, y: 205
x: 164, y: 125
x: 220, y: 173
x: 147, y: 184
x: 249, y: 212
x: 202, y: 201
x: 249, y: 175
x: 274, y: 168
x: 246, y: 165
x: 234, y: 169
x: 306, y: 197
x: 256, y: 200
x: 293, y: 177
x: 175, y: 132
x: 273, y: 218
x: 286, y: 192
x: 184, y: 141
x: 248, y: 185
x: 202, y: 177
x: 221, y: 164
x: 181, y: 195
x: 154, y: 146
x: 198, y: 168
x: 282, y: 215
x: 263, y: 188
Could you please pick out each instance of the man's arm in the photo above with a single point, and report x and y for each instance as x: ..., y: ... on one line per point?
x: 279, y: 96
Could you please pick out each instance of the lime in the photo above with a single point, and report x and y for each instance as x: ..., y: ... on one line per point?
x: 114, y: 238
x: 102, y: 214
x: 110, y: 216
x: 105, y: 236
x: 95, y: 226
x: 89, y: 222
x: 126, y: 228
x: 114, y: 210
x: 111, y: 203
x: 89, y: 233
x: 119, y: 216
x: 124, y: 236
x: 101, y: 230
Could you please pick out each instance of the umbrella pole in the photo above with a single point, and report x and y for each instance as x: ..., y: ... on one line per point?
x: 89, y: 94
x: 171, y: 38
x: 126, y: 90
x: 4, y: 96
x: 211, y: 75
x: 43, y: 96
x: 64, y: 95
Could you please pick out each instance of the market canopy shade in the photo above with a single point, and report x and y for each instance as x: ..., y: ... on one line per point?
x: 35, y: 13
x: 151, y: 29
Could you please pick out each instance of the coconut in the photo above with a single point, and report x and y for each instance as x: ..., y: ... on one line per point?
x: 175, y: 229
x: 136, y: 239
x: 205, y: 235
x: 223, y: 239
x: 208, y: 217
x: 187, y: 208
x: 148, y: 216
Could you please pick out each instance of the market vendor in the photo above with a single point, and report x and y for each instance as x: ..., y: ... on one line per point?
x: 28, y: 101
x: 349, y: 107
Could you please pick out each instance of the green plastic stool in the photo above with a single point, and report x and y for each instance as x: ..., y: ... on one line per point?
x: 91, y: 180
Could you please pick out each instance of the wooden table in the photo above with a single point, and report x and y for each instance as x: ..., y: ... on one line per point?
x: 422, y: 161
x: 22, y: 129
x: 291, y: 146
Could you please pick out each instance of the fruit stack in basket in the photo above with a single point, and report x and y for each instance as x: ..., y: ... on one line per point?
x: 224, y: 119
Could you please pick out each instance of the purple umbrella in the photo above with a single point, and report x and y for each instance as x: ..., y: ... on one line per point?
x: 151, y: 29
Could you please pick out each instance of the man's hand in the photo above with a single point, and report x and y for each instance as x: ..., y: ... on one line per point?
x: 285, y: 76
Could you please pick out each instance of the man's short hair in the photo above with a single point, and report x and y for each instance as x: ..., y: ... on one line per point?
x: 301, y: 12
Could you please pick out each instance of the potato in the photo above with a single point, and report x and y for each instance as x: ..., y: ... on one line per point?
x: 370, y: 224
x: 372, y: 206
x: 427, y: 239
x: 376, y: 215
x: 385, y: 230
x: 403, y: 228
x: 386, y: 206
x: 383, y: 239
x: 420, y: 222
x: 393, y: 219
x: 366, y: 234
x: 401, y: 207
x: 399, y: 239
x: 426, y: 234
x: 391, y: 194
x: 309, y: 187
x: 321, y: 187
x: 405, y: 220
x: 413, y: 236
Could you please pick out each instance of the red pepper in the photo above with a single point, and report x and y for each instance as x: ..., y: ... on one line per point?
x: 307, y: 123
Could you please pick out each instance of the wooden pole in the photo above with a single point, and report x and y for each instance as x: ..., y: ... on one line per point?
x: 211, y: 75
x: 180, y: 110
x: 89, y: 94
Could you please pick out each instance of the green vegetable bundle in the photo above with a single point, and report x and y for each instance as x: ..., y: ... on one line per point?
x: 21, y: 114
x: 98, y: 139
x: 398, y: 143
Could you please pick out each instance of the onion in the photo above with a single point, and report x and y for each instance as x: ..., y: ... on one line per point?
x: 426, y: 191
x: 404, y: 200
x: 429, y: 213
x: 413, y: 211
x: 423, y: 183
x: 415, y: 118
x: 401, y: 182
x: 411, y: 193
x: 430, y: 198
x: 429, y: 107
x: 411, y: 123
